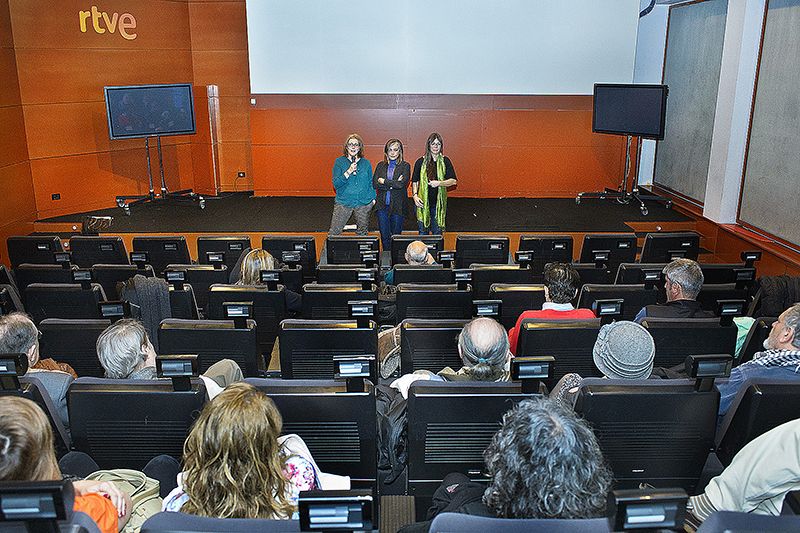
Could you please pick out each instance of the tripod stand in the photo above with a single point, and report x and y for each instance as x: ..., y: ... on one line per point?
x: 621, y: 194
x: 182, y: 196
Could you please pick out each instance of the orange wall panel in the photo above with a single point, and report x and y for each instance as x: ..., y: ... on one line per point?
x: 228, y: 69
x: 13, y: 148
x: 9, y: 95
x: 218, y: 25
x: 16, y: 191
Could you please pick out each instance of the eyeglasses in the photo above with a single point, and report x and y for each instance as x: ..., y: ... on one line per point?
x: 354, y: 144
x: 435, y: 143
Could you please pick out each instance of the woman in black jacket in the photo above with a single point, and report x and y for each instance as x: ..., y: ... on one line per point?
x: 390, y: 180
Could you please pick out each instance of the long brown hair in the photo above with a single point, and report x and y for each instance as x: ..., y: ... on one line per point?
x: 26, y: 442
x: 253, y: 263
x: 428, y: 158
x: 389, y: 143
x: 233, y: 466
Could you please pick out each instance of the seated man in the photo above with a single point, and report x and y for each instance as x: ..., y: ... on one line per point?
x: 780, y: 360
x: 483, y: 347
x: 561, y: 283
x: 416, y: 254
x: 125, y: 352
x: 683, y: 280
x: 18, y: 334
x: 756, y: 481
x: 544, y: 462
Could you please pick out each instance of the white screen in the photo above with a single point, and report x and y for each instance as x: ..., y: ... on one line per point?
x: 440, y: 46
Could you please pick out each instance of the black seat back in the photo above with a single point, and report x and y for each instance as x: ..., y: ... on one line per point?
x: 754, y: 342
x: 634, y: 296
x: 108, y: 276
x: 231, y: 245
x: 422, y: 274
x: 308, y: 346
x: 33, y: 249
x: 762, y: 404
x: 487, y: 249
x: 429, y: 344
x: 435, y: 244
x: 62, y: 300
x: 33, y: 389
x: 305, y: 244
x: 182, y: 303
x: 710, y: 294
x: 10, y: 300
x: 346, y: 249
x: 6, y: 277
x: 342, y: 273
x: 516, y: 299
x: 633, y: 273
x: 546, y: 249
x: 621, y: 248
x: 433, y: 301
x: 89, y: 250
x: 201, y: 278
x: 662, y: 247
x: 651, y: 431
x: 269, y: 308
x: 589, y: 273
x: 123, y: 423
x: 338, y: 426
x: 163, y: 250
x: 28, y: 273
x: 73, y: 341
x: 676, y: 339
x: 329, y: 301
x: 213, y: 340
x: 569, y: 341
x: 484, y: 276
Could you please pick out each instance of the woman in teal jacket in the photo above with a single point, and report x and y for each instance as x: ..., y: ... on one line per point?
x: 352, y: 180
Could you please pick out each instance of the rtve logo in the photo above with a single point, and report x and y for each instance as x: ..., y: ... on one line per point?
x: 101, y: 22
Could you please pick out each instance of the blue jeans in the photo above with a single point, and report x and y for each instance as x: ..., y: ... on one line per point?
x: 389, y: 224
x: 434, y: 229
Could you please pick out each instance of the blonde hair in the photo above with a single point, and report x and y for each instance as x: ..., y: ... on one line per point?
x: 233, y: 465
x: 357, y: 137
x: 253, y: 263
x: 26, y: 442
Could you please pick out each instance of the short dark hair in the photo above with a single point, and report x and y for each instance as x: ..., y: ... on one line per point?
x: 561, y: 280
x: 545, y: 462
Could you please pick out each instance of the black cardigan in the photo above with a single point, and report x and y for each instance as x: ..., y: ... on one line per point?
x: 398, y: 187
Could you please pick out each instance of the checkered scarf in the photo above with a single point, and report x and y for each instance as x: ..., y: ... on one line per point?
x: 778, y: 358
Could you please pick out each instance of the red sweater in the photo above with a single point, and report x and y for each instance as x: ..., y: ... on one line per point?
x: 547, y: 314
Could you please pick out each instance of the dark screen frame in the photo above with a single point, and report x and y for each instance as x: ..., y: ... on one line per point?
x: 111, y: 88
x: 632, y: 87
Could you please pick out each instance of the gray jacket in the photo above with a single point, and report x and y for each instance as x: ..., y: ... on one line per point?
x: 56, y: 384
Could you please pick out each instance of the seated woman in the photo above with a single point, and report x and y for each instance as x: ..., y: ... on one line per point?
x: 235, y: 464
x: 27, y: 454
x: 257, y: 260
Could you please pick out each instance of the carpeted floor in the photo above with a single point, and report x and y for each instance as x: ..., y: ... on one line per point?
x: 241, y: 212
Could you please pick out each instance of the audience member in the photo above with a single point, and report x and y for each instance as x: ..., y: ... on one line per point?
x: 779, y: 360
x: 18, y: 334
x: 544, y: 462
x: 236, y: 464
x: 352, y: 181
x: 257, y: 260
x: 756, y: 481
x: 483, y: 347
x: 390, y: 180
x: 433, y: 174
x: 125, y: 352
x: 27, y: 454
x: 416, y: 254
x: 623, y: 350
x: 561, y: 282
x: 683, y: 280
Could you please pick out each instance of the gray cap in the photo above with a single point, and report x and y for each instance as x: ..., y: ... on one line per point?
x: 624, y: 350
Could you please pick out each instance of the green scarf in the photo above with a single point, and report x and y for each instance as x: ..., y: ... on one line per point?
x: 424, y: 212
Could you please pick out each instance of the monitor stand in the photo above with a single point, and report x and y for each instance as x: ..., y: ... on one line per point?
x: 621, y: 194
x: 182, y: 196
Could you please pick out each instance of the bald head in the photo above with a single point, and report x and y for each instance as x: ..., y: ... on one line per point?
x: 483, y: 340
x: 417, y: 254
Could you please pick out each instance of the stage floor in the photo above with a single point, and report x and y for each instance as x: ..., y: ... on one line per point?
x: 240, y: 212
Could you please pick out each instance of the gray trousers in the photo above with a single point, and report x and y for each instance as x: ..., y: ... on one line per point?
x: 341, y: 214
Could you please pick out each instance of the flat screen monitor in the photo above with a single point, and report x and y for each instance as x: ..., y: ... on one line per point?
x: 150, y: 110
x: 629, y: 109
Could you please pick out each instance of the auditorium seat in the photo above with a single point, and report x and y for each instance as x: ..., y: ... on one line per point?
x: 465, y: 523
x: 89, y: 250
x: 732, y: 522
x: 433, y: 301
x: 73, y: 341
x: 619, y: 248
x: 435, y: 244
x: 305, y: 245
x: 163, y: 250
x: 201, y: 278
x: 33, y: 249
x: 33, y: 506
x: 63, y: 300
x: 171, y: 522
x: 108, y: 276
x: 422, y: 274
x: 570, y: 342
x: 212, y: 341
x: 484, y: 276
x: 231, y: 245
x: 711, y: 294
x: 347, y: 249
x: 28, y: 273
x: 6, y: 277
x: 634, y: 296
x: 428, y: 344
x: 761, y: 404
x: 485, y: 249
x: 516, y: 299
x: 182, y: 303
x: 450, y: 424
x: 337, y: 426
x: 664, y: 247
x: 328, y: 302
x: 343, y: 273
x: 676, y: 338
x: 307, y: 347
x: 123, y: 423
x: 591, y: 274
x: 754, y: 342
x: 546, y: 249
x: 10, y: 300
x: 651, y: 431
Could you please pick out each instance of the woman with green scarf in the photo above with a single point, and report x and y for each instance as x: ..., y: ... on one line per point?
x: 433, y: 174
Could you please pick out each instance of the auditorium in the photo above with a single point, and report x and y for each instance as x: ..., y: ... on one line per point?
x: 412, y: 266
